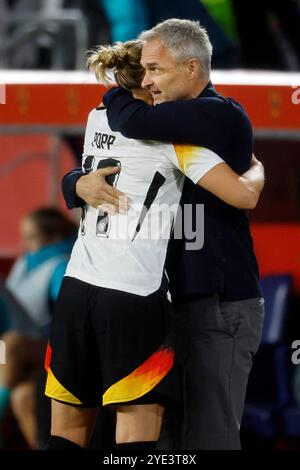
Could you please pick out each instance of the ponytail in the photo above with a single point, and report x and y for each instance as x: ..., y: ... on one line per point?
x: 123, y: 59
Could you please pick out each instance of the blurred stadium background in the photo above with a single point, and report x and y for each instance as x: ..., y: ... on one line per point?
x: 46, y: 94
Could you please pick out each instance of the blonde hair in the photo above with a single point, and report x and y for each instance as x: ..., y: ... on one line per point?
x: 123, y: 59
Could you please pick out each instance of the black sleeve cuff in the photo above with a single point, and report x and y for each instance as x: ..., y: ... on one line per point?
x: 68, y: 186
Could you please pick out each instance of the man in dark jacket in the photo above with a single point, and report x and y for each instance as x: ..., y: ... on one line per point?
x: 215, y: 290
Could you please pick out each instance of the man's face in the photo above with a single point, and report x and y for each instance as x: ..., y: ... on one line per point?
x: 164, y: 77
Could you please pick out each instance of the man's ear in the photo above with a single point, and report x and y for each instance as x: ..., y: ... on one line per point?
x: 193, y: 68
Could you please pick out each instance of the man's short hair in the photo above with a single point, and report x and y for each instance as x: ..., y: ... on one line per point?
x: 185, y: 39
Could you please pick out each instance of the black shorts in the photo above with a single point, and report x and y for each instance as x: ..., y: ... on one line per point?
x: 108, y: 346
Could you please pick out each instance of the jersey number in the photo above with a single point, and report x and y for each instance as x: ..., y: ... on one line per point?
x: 103, y: 219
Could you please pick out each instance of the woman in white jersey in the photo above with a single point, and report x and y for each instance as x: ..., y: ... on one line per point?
x: 109, y: 341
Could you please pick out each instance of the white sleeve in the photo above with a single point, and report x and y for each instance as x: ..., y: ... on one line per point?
x: 192, y: 161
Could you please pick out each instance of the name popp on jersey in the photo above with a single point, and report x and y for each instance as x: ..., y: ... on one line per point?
x: 102, y: 140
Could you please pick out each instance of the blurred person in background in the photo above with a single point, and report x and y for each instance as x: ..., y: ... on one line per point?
x: 34, y: 282
x: 127, y: 18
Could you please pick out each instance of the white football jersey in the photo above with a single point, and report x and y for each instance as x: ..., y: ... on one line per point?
x: 127, y: 251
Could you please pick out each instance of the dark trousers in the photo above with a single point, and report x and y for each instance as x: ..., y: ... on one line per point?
x: 214, y: 346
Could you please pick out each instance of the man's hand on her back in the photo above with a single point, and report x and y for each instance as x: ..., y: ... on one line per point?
x: 95, y: 191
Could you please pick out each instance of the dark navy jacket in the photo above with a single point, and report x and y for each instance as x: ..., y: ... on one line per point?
x: 226, y: 263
